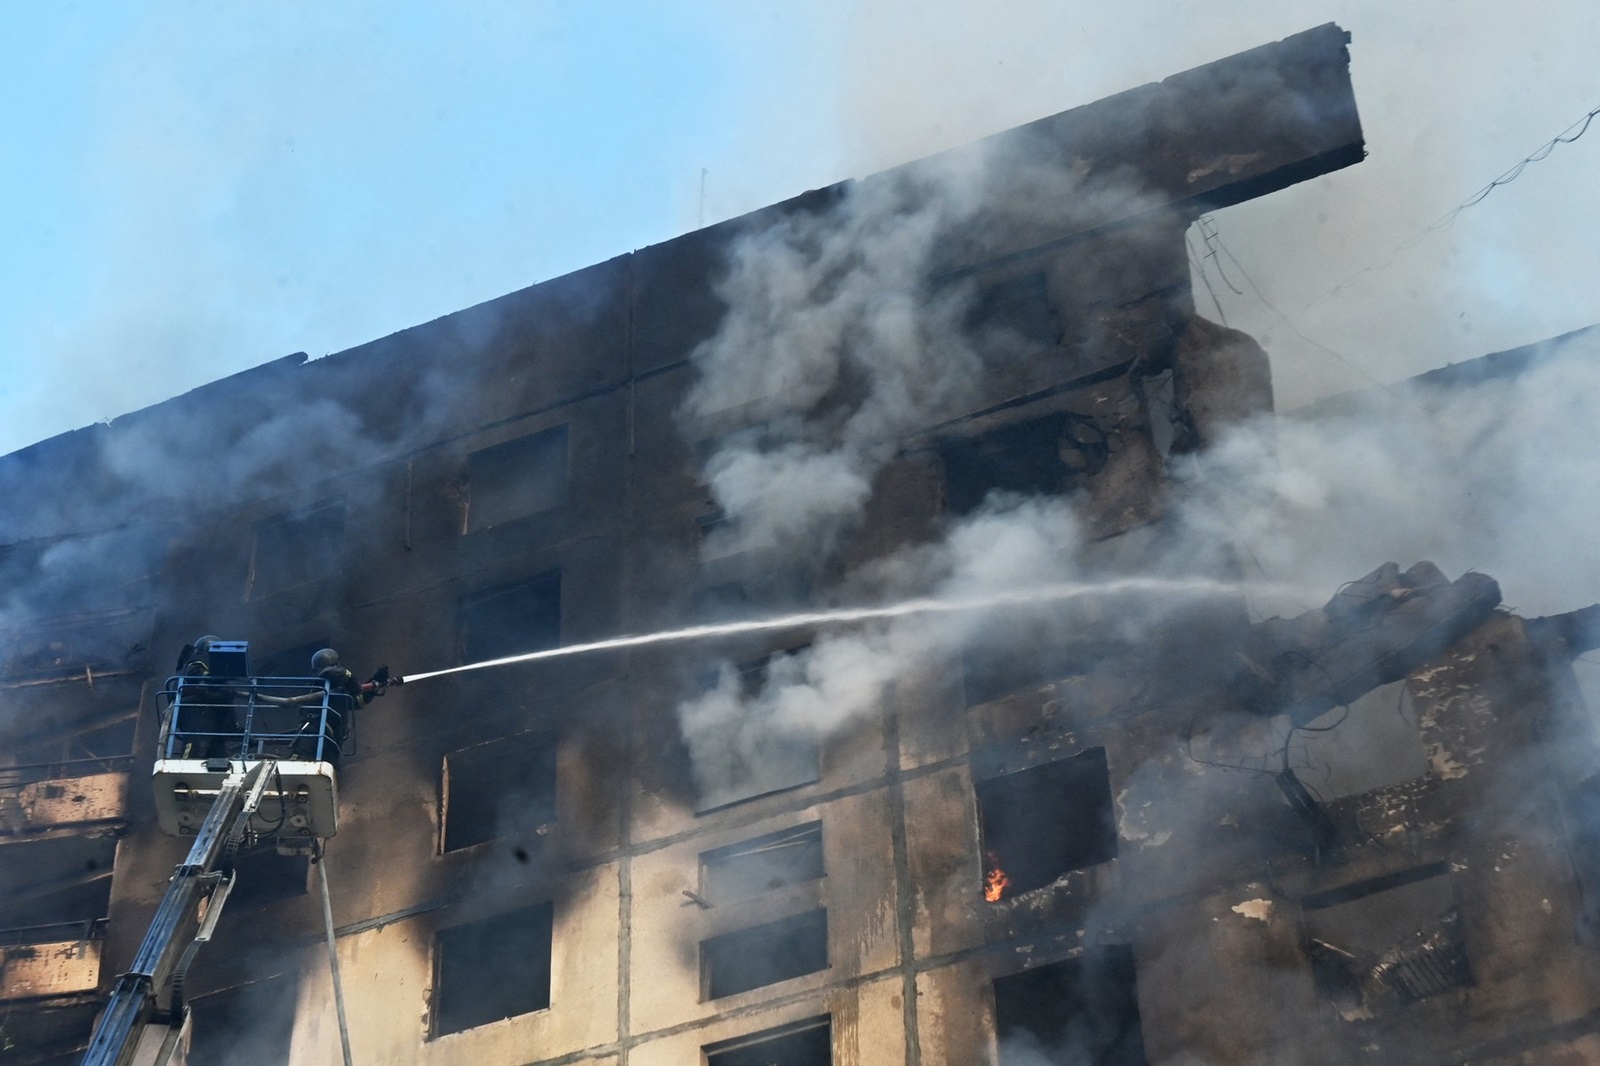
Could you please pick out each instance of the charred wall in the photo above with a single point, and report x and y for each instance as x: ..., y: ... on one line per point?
x: 365, y: 500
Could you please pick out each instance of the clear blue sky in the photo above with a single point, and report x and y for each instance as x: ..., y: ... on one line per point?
x: 191, y: 189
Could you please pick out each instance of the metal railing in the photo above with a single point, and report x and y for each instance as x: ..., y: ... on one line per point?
x: 301, y: 718
x: 61, y: 769
x: 54, y: 933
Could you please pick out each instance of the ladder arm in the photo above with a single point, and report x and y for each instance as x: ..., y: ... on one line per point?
x: 168, y: 944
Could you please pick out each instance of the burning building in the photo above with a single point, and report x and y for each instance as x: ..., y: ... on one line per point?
x: 1101, y: 798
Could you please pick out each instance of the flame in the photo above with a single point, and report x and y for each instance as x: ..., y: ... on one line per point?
x: 995, y: 881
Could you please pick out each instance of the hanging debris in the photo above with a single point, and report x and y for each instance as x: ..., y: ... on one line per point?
x: 1373, y: 631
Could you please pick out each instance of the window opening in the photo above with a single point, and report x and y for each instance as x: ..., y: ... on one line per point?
x: 1019, y: 305
x: 742, y: 753
x: 764, y: 954
x: 806, y: 1043
x: 1038, y: 824
x: 1045, y: 456
x: 712, y: 521
x: 498, y: 789
x: 292, y: 662
x: 297, y: 548
x: 244, y: 1025
x: 762, y: 587
x: 1384, y: 944
x: 1081, y: 1010
x: 491, y: 969
x: 511, y: 619
x: 740, y: 871
x: 264, y: 877
x: 1033, y: 659
x: 87, y: 645
x: 516, y: 479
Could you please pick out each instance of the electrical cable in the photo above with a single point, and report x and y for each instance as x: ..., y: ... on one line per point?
x: 1537, y: 155
x: 1205, y: 279
x: 1283, y: 318
x: 1209, y: 235
x: 1566, y: 136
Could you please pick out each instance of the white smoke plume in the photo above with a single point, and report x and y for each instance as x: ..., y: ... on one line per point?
x: 838, y: 341
x: 1489, y: 476
x: 819, y: 303
x: 1495, y: 476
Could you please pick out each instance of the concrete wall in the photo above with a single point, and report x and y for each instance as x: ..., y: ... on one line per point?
x: 1214, y: 881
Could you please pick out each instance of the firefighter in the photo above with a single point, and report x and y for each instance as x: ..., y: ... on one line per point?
x: 204, y: 721
x: 325, y: 665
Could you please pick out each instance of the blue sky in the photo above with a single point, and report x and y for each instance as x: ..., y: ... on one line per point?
x: 195, y: 188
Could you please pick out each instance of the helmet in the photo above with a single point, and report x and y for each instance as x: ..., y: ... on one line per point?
x: 323, y: 659
x: 203, y: 644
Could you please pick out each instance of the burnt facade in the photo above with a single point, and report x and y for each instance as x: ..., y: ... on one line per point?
x: 1070, y: 836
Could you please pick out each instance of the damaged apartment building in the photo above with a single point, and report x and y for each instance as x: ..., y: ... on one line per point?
x: 1068, y: 829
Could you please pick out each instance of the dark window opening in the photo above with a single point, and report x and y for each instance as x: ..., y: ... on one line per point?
x: 297, y: 548
x: 1040, y: 823
x: 498, y: 789
x: 1017, y: 305
x: 1384, y: 944
x: 244, y: 1026
x: 517, y: 479
x: 754, y: 439
x: 1044, y: 456
x: 807, y: 1043
x: 755, y: 674
x: 292, y: 662
x: 775, y: 861
x: 1082, y: 1010
x: 81, y: 646
x: 756, y: 590
x: 511, y: 619
x: 1033, y: 659
x: 264, y: 877
x: 494, y: 968
x: 713, y: 520
x: 62, y: 880
x: 764, y: 955
x: 750, y: 757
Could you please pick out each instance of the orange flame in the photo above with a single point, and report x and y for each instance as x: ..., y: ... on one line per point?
x: 995, y: 881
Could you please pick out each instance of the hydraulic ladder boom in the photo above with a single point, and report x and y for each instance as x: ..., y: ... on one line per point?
x: 146, y: 999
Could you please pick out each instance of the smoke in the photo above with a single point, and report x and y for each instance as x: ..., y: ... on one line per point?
x: 1486, y: 476
x: 820, y: 303
x: 758, y: 724
x: 837, y: 345
x: 840, y: 339
x: 745, y: 730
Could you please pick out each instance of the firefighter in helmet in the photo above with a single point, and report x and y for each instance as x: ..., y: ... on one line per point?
x: 348, y: 694
x: 204, y: 720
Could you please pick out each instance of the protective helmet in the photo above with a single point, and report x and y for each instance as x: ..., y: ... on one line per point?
x: 203, y: 644
x: 323, y: 659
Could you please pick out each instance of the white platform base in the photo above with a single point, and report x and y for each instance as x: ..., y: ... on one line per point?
x: 301, y: 802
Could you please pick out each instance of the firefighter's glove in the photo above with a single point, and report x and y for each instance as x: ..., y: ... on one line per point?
x: 380, y: 679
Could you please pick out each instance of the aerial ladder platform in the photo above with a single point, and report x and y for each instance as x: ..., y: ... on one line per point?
x: 244, y: 763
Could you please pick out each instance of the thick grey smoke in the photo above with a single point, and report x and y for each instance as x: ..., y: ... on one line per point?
x: 1489, y: 476
x: 821, y: 303
x: 838, y: 341
x: 1495, y: 476
x: 734, y: 731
